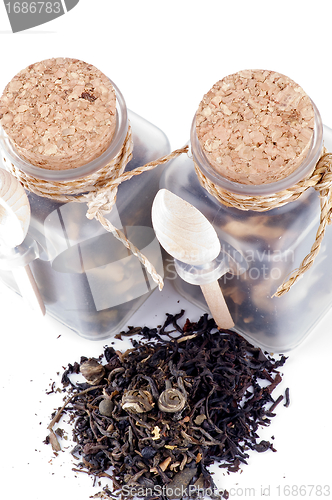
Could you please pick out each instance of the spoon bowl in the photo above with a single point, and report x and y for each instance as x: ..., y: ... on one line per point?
x: 14, y: 210
x: 14, y: 224
x: 183, y: 230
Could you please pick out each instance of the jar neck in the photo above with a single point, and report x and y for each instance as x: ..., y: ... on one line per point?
x: 306, y: 167
x: 84, y: 170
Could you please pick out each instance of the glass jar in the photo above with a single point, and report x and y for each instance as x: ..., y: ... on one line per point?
x: 262, y: 249
x: 88, y: 280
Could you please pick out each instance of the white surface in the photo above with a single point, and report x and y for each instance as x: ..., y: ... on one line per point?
x: 164, y: 56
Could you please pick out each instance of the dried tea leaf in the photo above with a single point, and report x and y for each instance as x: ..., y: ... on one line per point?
x: 180, y: 482
x: 200, y: 419
x: 53, y: 440
x: 219, y: 374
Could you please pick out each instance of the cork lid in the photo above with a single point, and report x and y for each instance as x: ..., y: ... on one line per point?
x: 255, y: 126
x: 59, y: 113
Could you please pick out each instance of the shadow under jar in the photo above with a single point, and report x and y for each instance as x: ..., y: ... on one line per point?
x: 262, y: 248
x: 88, y: 280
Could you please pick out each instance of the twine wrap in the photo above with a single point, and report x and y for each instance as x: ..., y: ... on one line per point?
x: 320, y: 179
x: 99, y: 192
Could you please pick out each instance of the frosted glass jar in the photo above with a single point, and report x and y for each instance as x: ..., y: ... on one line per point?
x: 262, y: 249
x: 88, y: 280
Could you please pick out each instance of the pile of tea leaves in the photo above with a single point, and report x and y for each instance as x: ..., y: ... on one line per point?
x: 156, y: 416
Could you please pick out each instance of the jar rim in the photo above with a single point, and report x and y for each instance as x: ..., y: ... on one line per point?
x: 302, y: 170
x: 71, y: 174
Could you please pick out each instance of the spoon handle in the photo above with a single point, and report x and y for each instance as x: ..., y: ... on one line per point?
x: 217, y: 305
x: 29, y: 289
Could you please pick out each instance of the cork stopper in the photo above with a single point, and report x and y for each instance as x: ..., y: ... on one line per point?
x: 255, y: 126
x: 59, y: 113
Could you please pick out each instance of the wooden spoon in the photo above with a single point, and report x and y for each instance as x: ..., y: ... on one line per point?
x: 189, y: 237
x: 14, y: 225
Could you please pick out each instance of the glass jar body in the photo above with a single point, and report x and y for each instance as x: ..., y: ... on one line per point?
x: 88, y: 280
x: 263, y: 248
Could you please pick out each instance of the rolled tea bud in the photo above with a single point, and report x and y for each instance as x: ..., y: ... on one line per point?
x: 171, y: 401
x: 137, y: 401
x: 92, y: 371
x: 106, y: 407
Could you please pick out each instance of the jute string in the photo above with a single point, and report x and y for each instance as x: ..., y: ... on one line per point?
x: 320, y: 180
x: 99, y: 191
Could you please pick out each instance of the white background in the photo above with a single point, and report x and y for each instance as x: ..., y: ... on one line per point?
x: 164, y: 56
